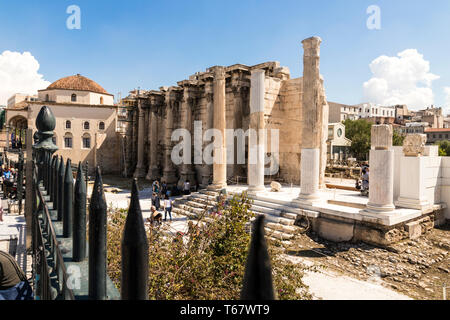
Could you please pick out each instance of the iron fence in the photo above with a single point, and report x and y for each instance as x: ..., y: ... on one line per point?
x: 59, y: 241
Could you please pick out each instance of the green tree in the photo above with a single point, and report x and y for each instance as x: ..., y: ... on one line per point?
x: 444, y: 148
x: 2, y: 118
x: 358, y: 131
x: 397, y: 138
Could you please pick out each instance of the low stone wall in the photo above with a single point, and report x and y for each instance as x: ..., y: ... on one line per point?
x: 339, y: 229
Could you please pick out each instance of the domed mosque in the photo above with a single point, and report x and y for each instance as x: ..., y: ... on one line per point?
x: 85, y: 121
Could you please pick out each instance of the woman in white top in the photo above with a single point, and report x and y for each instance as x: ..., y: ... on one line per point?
x: 167, y: 208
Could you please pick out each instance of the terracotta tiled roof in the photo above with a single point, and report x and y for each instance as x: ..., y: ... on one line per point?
x: 77, y: 82
x: 437, y: 130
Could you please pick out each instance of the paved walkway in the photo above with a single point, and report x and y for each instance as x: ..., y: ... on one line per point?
x: 14, y: 227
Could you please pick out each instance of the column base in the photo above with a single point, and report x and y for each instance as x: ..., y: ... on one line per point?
x: 412, y: 203
x: 184, y: 176
x: 375, y: 208
x: 206, y: 180
x: 139, y: 172
x: 254, y: 190
x: 153, y: 174
x: 216, y: 187
x: 307, y: 199
x: 169, y: 177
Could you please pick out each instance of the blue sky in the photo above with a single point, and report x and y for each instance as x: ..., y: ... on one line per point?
x: 126, y: 44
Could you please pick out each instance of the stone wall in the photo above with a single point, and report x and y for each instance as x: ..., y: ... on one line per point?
x: 282, y: 111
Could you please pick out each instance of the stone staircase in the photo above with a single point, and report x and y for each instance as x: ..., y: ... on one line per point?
x: 279, y: 218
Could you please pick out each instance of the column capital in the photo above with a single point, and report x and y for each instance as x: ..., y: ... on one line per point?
x: 219, y: 73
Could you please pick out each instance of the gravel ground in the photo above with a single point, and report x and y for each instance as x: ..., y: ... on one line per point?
x: 414, y: 268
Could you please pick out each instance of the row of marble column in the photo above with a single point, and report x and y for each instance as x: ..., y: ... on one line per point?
x: 312, y: 114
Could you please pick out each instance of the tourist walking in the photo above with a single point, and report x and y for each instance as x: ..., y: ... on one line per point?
x: 187, y: 187
x: 13, y: 282
x: 156, y: 201
x: 163, y: 189
x: 167, y: 207
x: 155, y: 186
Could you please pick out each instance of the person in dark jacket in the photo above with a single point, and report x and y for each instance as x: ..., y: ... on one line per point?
x: 13, y: 282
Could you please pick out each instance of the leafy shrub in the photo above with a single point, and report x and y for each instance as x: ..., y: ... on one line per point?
x: 208, y: 261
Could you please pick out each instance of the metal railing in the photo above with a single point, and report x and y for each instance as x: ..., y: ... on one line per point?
x: 59, y: 241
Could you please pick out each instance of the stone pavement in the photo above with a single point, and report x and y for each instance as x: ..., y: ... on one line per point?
x: 14, y: 226
x: 121, y: 200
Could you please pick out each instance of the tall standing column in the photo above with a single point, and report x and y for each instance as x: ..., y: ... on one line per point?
x: 312, y: 114
x: 140, y: 168
x: 169, y: 170
x: 207, y: 170
x: 256, y: 146
x: 220, y: 151
x: 153, y: 171
x: 186, y: 172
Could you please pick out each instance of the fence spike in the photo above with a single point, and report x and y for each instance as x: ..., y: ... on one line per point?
x: 68, y: 201
x: 258, y: 283
x: 50, y: 179
x: 134, y: 252
x: 79, y: 217
x: 61, y: 171
x: 55, y: 184
x: 97, y: 240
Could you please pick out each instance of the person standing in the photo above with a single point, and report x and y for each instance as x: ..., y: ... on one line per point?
x: 163, y: 189
x: 167, y: 207
x: 13, y: 282
x: 156, y: 201
x: 187, y: 187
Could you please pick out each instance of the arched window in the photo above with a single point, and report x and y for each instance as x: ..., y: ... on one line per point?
x: 74, y: 97
x: 86, y: 125
x: 68, y: 141
x: 86, y: 141
x: 68, y: 124
x: 101, y: 100
x: 101, y: 125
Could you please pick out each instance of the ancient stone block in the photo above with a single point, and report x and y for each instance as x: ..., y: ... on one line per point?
x: 336, y: 231
x: 414, y: 145
x: 276, y: 187
x: 381, y: 137
x: 414, y: 229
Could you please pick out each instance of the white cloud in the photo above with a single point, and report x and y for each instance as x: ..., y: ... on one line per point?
x: 405, y: 79
x: 19, y: 74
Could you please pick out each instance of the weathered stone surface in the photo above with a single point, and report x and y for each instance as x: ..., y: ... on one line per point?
x: 337, y: 231
x: 414, y: 229
x: 414, y: 145
x: 381, y: 137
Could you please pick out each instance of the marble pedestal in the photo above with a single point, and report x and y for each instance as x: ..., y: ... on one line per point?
x: 412, y: 189
x: 381, y: 181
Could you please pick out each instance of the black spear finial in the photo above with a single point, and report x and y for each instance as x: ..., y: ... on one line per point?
x: 50, y: 179
x: 68, y: 201
x: 61, y: 172
x: 97, y: 240
x: 258, y: 283
x: 134, y: 252
x: 56, y: 184
x: 79, y: 217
